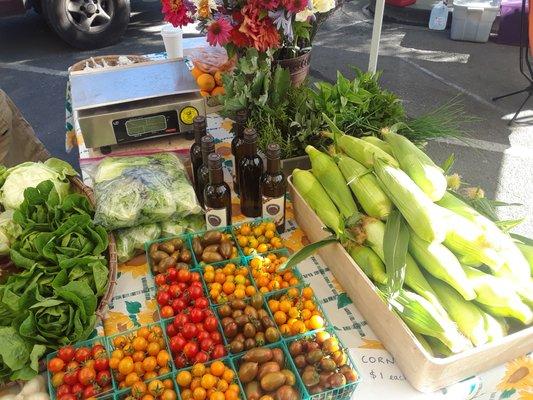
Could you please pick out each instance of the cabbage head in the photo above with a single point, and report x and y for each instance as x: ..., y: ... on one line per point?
x: 9, y: 231
x: 29, y: 174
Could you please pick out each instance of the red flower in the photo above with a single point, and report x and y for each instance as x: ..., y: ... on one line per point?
x: 295, y: 6
x: 219, y: 32
x: 269, y: 5
x: 238, y: 38
x: 260, y: 30
x: 178, y: 12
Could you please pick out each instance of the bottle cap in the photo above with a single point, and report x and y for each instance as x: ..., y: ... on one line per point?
x: 273, y: 151
x: 250, y: 135
x: 241, y: 116
x: 208, y: 143
x: 214, y: 161
x: 199, y: 122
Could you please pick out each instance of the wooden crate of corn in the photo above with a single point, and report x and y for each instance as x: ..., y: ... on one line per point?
x: 467, y: 295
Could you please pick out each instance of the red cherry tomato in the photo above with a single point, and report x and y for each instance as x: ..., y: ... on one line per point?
x: 77, y: 389
x: 86, y: 376
x: 189, y: 330
x: 162, y: 298
x: 201, y: 357
x: 210, y: 324
x: 171, y: 330
x: 176, y: 343
x: 202, y: 335
x: 62, y: 390
x: 218, y: 351
x: 195, y: 277
x: 207, y: 345
x: 103, y: 378
x: 82, y: 354
x: 197, y: 315
x: 180, y: 320
x: 184, y: 275
x: 56, y: 364
x: 174, y: 291
x: 201, y: 302
x: 71, y: 377
x: 163, y: 288
x: 101, y: 364
x: 73, y: 366
x: 90, y: 391
x: 178, y: 305
x: 195, y: 292
x: 208, y: 313
x: 182, y: 286
x: 66, y: 353
x: 67, y: 397
x: 172, y: 275
x: 216, y: 337
x: 167, y: 312
x: 160, y: 279
x: 180, y: 361
x: 190, y: 350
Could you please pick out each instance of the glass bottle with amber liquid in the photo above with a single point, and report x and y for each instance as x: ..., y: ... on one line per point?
x: 200, y: 130
x: 237, y: 144
x: 273, y: 188
x: 250, y: 171
x: 217, y: 195
x: 208, y: 147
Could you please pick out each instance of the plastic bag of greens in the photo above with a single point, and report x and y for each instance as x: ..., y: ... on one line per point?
x: 132, y: 240
x: 138, y: 190
x: 190, y: 223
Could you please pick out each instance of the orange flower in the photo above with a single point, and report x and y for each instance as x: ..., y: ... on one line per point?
x: 261, y: 31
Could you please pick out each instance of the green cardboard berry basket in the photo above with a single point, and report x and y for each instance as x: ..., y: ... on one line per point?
x: 279, y: 293
x: 186, y: 237
x: 227, y: 341
x: 86, y: 343
x: 237, y: 361
x: 280, y: 252
x: 227, y: 361
x: 341, y: 393
x: 239, y: 262
x: 253, y: 223
x: 110, y: 346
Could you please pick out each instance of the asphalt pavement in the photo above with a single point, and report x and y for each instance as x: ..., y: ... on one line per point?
x: 425, y: 68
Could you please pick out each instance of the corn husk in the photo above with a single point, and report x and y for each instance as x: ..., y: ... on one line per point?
x: 498, y: 297
x: 467, y: 316
x: 369, y: 262
x: 527, y: 252
x: 317, y: 198
x: 415, y: 163
x: 496, y: 328
x: 365, y: 187
x: 424, y: 217
x: 362, y: 151
x: 441, y: 263
x: 330, y: 177
x: 378, y: 143
x: 438, y: 348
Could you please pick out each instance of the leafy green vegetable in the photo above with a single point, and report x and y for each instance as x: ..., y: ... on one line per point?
x: 132, y: 191
x: 9, y: 231
x: 18, y: 359
x: 129, y: 240
x: 16, y: 179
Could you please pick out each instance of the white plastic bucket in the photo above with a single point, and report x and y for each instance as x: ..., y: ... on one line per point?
x: 173, y: 40
x: 472, y: 20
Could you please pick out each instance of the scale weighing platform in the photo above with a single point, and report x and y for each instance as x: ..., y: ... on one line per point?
x: 142, y: 101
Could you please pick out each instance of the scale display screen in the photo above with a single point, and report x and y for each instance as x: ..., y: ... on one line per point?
x: 141, y: 126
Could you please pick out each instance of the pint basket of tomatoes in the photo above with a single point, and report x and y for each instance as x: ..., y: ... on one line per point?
x: 80, y: 371
x: 178, y: 289
x: 267, y: 278
x: 216, y: 380
x: 158, y: 388
x: 257, y: 236
x: 139, y: 355
x: 194, y: 336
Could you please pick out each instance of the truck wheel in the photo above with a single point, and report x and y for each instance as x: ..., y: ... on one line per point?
x: 88, y: 24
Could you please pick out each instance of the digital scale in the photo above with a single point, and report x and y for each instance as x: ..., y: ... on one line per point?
x: 136, y: 102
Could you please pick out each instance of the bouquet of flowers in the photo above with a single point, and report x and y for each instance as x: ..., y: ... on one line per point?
x: 284, y: 27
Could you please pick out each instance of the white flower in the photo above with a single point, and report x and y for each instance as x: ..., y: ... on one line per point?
x: 204, y: 8
x: 323, y: 6
x: 303, y: 15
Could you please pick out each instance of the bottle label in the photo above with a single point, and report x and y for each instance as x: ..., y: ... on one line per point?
x: 274, y: 208
x: 215, y: 217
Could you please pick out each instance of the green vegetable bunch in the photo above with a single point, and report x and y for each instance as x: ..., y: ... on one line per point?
x: 52, y: 301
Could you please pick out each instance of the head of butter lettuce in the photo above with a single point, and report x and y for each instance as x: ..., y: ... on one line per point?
x: 14, y: 180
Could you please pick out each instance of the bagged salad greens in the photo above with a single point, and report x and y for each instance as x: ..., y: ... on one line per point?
x: 138, y: 190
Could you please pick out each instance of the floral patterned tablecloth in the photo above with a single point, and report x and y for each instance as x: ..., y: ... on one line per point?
x: 133, y: 305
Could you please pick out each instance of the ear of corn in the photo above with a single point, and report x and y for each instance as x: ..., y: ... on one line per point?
x: 420, y: 168
x: 378, y: 143
x: 423, y: 342
x: 527, y: 252
x: 523, y: 286
x: 315, y: 195
x: 496, y: 328
x: 369, y: 262
x: 365, y: 187
x: 441, y: 263
x: 497, y: 296
x: 468, y: 241
x: 329, y: 175
x: 422, y: 317
x: 374, y: 232
x: 467, y: 316
x: 438, y: 347
x: 424, y: 217
x: 363, y: 151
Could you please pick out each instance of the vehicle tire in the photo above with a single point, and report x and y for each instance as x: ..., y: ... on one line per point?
x: 88, y: 24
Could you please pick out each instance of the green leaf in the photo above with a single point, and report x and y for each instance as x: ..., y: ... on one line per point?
x: 522, y: 239
x: 507, y: 225
x: 395, y: 243
x: 448, y: 163
x: 305, y: 252
x: 280, y: 85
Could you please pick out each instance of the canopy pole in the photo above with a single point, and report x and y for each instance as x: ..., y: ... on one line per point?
x: 376, y: 36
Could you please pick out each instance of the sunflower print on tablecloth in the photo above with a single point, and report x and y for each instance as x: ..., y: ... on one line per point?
x: 518, y: 377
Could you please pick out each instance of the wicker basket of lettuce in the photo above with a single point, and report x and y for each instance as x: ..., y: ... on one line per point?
x: 64, y: 264
x: 144, y: 197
